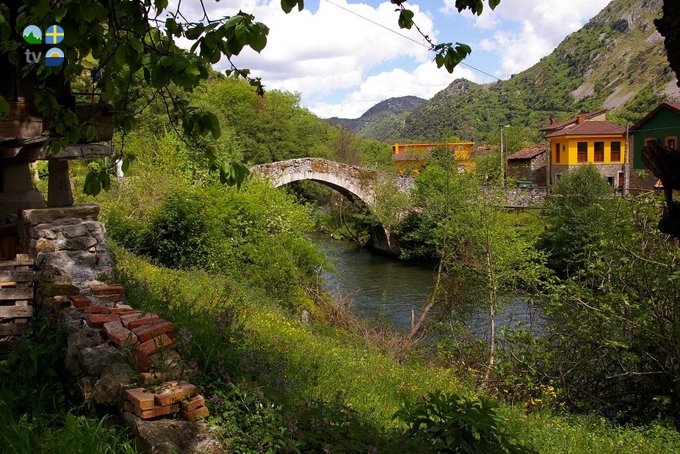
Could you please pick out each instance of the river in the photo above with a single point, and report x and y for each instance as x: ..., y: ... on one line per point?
x: 384, y: 288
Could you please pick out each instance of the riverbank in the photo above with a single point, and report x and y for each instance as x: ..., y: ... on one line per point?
x: 294, y: 363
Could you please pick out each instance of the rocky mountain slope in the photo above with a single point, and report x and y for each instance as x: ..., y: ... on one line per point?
x: 616, y: 61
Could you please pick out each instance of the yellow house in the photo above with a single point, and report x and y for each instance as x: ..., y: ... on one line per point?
x: 588, y: 139
x: 410, y: 157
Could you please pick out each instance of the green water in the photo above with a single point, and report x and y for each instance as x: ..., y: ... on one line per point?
x: 385, y: 288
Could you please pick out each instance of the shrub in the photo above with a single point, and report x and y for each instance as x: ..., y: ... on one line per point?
x: 451, y: 423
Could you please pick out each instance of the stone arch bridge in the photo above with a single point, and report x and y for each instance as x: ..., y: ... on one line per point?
x: 351, y: 181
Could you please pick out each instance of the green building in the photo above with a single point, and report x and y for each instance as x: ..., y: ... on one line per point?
x: 661, y: 124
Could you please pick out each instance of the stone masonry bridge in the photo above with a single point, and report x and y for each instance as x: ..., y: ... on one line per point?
x: 351, y: 181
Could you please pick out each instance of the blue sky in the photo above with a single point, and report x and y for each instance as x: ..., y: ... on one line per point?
x: 342, y: 64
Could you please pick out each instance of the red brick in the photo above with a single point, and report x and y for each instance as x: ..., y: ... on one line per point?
x: 153, y: 345
x: 196, y: 415
x: 79, y: 300
x: 177, y: 393
x: 122, y: 311
x: 107, y: 289
x: 119, y: 335
x: 109, y: 298
x: 141, y: 360
x: 153, y: 330
x: 133, y: 322
x: 140, y: 398
x: 98, y: 320
x: 96, y: 310
x: 155, y: 412
x: 193, y: 403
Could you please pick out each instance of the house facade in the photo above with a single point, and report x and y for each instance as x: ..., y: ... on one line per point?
x: 529, y: 164
x: 588, y: 139
x: 663, y: 125
x: 410, y: 157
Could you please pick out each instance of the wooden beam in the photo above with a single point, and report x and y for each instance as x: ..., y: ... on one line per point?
x: 16, y: 311
x: 14, y: 294
x: 59, y: 185
x: 9, y: 329
x: 17, y: 276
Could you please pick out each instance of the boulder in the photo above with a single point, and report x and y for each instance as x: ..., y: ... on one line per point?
x: 173, y: 436
x: 107, y: 389
x: 95, y: 359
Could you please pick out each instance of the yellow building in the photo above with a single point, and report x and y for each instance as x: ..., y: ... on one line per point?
x: 410, y: 157
x: 588, y: 139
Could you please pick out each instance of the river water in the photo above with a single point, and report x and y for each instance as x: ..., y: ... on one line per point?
x: 381, y: 287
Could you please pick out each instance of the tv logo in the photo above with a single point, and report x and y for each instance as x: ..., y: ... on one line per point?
x: 54, y: 35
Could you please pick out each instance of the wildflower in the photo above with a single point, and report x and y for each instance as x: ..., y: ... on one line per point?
x: 215, y: 400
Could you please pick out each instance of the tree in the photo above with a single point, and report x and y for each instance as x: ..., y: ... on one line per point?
x: 580, y: 210
x: 125, y: 39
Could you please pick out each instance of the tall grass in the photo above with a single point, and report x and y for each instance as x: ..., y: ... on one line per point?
x: 237, y: 329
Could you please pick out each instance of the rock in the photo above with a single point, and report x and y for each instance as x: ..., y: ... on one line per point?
x: 77, y: 341
x: 73, y: 231
x: 95, y: 359
x: 72, y: 321
x: 173, y: 436
x: 107, y: 390
x: 43, y: 245
x: 50, y: 289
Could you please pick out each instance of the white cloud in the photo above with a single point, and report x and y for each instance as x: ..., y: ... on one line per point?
x: 330, y: 49
x: 318, y: 52
x: 544, y: 24
x: 424, y: 81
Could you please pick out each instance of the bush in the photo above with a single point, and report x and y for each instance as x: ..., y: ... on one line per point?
x: 451, y: 423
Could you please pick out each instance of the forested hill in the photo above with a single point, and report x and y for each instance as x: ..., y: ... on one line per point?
x: 616, y: 61
x: 383, y: 120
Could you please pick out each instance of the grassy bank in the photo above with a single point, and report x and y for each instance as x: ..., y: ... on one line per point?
x: 237, y: 331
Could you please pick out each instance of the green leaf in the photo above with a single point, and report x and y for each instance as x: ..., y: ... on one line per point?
x: 194, y: 32
x: 406, y: 19
x: 288, y: 5
x: 92, y: 186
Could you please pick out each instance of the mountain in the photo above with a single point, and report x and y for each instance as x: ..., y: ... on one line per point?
x: 381, y: 121
x: 616, y: 61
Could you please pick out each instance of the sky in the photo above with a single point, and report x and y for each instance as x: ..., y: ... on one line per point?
x: 342, y: 64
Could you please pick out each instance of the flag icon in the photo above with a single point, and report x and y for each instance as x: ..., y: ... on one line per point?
x: 55, y: 57
x: 54, y: 34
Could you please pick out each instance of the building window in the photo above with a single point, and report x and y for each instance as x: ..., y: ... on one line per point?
x: 582, y: 152
x: 599, y: 152
x: 557, y: 153
x: 621, y: 180
x: 672, y: 142
x: 649, y: 140
x: 558, y: 176
x: 616, y: 151
x: 610, y: 180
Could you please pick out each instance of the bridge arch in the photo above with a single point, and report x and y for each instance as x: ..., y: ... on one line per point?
x: 350, y: 181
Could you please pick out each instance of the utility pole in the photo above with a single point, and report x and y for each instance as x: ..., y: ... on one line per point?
x: 502, y: 157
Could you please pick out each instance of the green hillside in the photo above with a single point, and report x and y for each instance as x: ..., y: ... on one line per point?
x: 616, y: 61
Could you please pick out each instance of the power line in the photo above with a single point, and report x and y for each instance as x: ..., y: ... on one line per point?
x: 403, y: 36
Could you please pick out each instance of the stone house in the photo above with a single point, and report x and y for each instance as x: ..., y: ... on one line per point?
x: 588, y: 139
x: 528, y: 164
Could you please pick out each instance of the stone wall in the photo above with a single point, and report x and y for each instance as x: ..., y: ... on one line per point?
x: 67, y: 244
x: 517, y: 197
x: 606, y: 170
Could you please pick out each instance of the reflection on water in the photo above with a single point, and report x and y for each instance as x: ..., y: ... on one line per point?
x: 386, y: 288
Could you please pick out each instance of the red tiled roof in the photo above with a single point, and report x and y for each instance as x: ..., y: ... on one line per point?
x: 527, y: 153
x: 566, y: 123
x: 591, y: 128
